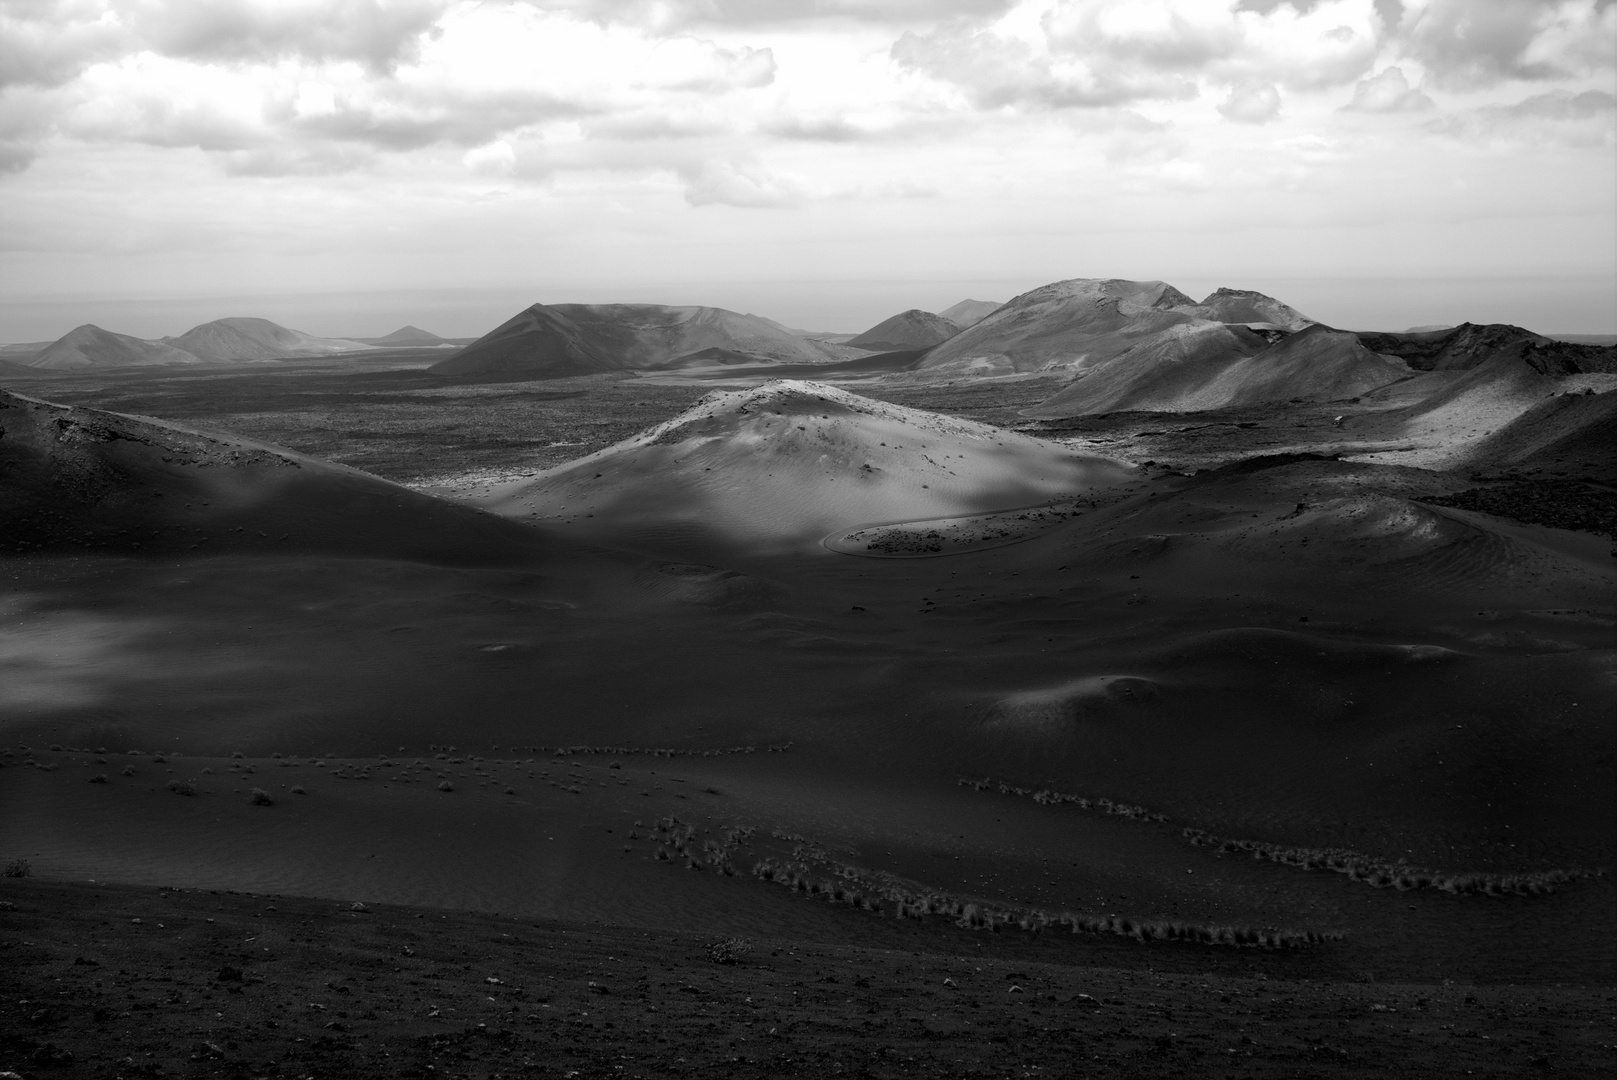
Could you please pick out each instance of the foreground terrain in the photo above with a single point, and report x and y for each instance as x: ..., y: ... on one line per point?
x: 116, y: 981
x: 1293, y: 697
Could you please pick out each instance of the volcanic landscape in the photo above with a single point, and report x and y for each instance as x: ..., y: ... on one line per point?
x: 1104, y: 682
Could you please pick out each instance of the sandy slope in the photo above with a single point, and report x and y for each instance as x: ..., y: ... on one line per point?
x: 79, y: 479
x: 89, y: 346
x: 1576, y: 430
x: 912, y: 329
x: 1198, y: 366
x: 790, y: 461
x: 256, y: 339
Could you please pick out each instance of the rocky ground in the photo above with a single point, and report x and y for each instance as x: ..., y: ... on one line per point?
x: 119, y: 981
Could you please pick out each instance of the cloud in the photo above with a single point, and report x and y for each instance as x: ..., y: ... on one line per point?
x: 1465, y: 44
x: 1094, y: 53
x: 723, y: 183
x: 995, y: 72
x: 665, y: 15
x: 377, y: 33
x: 50, y: 43
x: 1388, y: 92
x: 1252, y: 104
x: 1559, y: 116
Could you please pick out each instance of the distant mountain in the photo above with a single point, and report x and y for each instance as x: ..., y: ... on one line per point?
x: 89, y: 346
x: 970, y: 312
x: 1215, y: 366
x: 1248, y: 306
x: 1454, y: 348
x: 408, y: 335
x: 1064, y: 326
x: 572, y: 339
x: 256, y: 339
x: 912, y: 329
x: 1170, y: 371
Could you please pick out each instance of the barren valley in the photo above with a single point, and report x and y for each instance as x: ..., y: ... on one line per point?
x: 1120, y: 685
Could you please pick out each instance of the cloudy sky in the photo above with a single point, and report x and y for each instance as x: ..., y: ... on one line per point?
x: 348, y: 165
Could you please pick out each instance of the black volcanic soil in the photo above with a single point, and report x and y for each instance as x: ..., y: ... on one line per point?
x: 107, y: 980
x: 1259, y: 711
x: 1560, y: 504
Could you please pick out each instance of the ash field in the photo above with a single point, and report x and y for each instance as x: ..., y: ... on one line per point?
x: 1104, y: 682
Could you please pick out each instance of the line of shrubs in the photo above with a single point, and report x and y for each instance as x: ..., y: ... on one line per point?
x: 1383, y: 874
x: 653, y: 751
x: 1046, y: 797
x: 905, y: 903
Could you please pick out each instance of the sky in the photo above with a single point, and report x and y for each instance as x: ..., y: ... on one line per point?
x: 347, y: 166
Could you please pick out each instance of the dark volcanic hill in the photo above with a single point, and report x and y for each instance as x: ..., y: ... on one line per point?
x: 539, y: 340
x: 1470, y: 345
x: 1248, y: 306
x: 1064, y: 326
x: 85, y: 480
x: 912, y: 329
x: 89, y: 346
x: 572, y: 339
x: 241, y: 338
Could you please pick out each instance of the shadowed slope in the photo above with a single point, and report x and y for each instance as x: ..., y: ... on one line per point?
x: 82, y: 479
x: 89, y: 346
x: 912, y: 329
x: 1567, y: 431
x: 1067, y: 325
x: 256, y: 339
x: 1210, y: 366
x: 1168, y: 372
x: 787, y: 462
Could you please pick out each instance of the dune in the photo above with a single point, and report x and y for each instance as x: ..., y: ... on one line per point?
x: 786, y: 463
x: 242, y: 338
x: 970, y: 312
x: 571, y: 339
x: 89, y: 346
x: 83, y: 480
x: 912, y: 329
x: 1064, y: 326
x: 1250, y: 307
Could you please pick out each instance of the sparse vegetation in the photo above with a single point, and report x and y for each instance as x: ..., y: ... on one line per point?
x: 1046, y: 797
x: 729, y: 951
x: 1385, y: 874
x: 16, y: 868
x: 259, y: 797
x: 182, y: 787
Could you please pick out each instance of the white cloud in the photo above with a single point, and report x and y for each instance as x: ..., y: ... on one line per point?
x: 1465, y: 44
x: 1388, y: 92
x: 1257, y: 104
x: 495, y: 159
x: 724, y: 183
